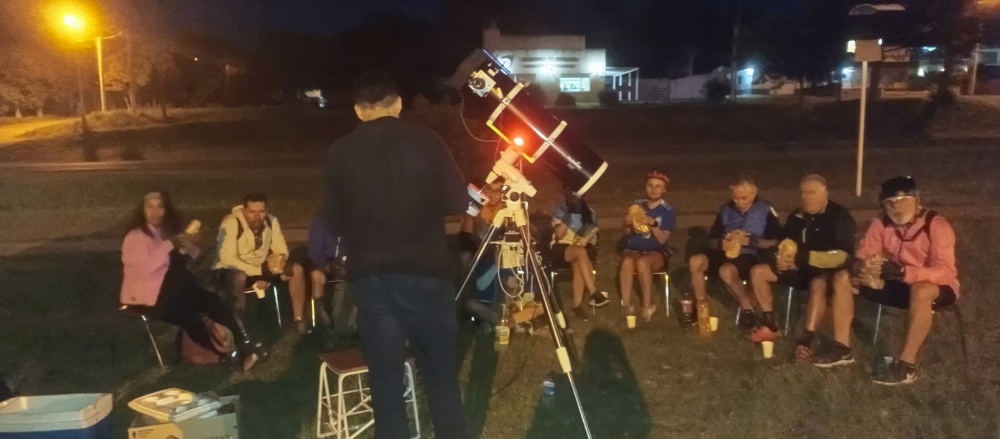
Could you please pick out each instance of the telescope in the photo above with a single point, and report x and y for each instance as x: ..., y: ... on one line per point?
x: 535, y: 135
x: 544, y: 138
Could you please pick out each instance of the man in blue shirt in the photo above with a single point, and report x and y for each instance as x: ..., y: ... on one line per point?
x: 743, y: 226
x: 646, y: 232
x: 321, y: 259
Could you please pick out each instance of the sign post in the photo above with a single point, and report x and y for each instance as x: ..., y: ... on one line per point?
x: 866, y: 50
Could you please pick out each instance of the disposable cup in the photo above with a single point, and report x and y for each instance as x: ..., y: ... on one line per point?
x: 630, y: 321
x: 714, y: 323
x: 768, y: 348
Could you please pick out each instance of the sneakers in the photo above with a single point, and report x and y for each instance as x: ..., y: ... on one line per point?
x: 896, y: 373
x: 598, y: 300
x: 837, y: 355
x: 302, y: 327
x: 803, y: 354
x: 580, y: 313
x: 763, y: 333
x: 748, y: 320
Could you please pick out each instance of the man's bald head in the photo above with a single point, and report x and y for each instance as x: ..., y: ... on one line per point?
x: 814, y: 193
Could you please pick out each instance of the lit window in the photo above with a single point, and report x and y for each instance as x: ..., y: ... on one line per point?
x: 574, y: 85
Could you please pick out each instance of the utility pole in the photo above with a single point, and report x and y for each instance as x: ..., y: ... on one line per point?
x: 736, y: 43
x: 100, y: 72
x: 130, y: 73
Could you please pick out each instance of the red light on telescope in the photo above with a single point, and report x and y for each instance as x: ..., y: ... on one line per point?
x: 518, y: 141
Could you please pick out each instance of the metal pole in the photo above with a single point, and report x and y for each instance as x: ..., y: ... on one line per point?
x: 736, y: 43
x: 975, y: 70
x: 861, y: 126
x: 80, y: 106
x: 131, y: 73
x: 100, y: 72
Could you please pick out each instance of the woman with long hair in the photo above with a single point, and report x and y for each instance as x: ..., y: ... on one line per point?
x: 574, y: 246
x: 155, y: 253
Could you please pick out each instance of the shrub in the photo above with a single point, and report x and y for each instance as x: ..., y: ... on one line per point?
x: 565, y: 100
x: 716, y: 90
x: 537, y: 93
x: 608, y: 97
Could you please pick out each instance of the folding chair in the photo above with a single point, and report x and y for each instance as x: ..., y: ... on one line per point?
x: 139, y: 311
x: 952, y: 308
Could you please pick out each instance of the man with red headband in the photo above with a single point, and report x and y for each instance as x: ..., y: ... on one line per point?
x: 647, y: 228
x: 905, y: 260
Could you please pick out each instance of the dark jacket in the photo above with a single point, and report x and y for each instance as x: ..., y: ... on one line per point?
x: 389, y: 185
x: 832, y: 229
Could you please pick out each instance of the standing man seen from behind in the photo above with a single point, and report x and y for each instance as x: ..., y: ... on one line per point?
x: 388, y: 187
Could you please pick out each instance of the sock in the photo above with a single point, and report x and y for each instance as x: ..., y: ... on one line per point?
x: 768, y: 320
x: 807, y: 338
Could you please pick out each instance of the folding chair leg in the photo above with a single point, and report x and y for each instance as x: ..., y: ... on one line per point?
x: 961, y: 334
x: 312, y: 311
x: 159, y: 358
x: 788, y: 310
x: 666, y: 293
x: 277, y: 304
x: 878, y: 322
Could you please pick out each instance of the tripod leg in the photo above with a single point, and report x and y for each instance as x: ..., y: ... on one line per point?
x: 565, y: 362
x: 475, y: 260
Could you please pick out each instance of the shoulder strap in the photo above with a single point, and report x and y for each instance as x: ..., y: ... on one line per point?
x: 928, y: 218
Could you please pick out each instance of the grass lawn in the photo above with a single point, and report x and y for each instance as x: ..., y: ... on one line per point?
x: 658, y: 380
x: 45, y: 206
x: 59, y: 311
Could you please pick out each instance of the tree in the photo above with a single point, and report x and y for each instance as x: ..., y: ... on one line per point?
x: 149, y: 56
x: 31, y: 75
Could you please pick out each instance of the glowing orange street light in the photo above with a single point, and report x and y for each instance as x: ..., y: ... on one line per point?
x: 73, y: 22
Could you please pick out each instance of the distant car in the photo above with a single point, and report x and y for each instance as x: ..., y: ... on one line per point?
x: 313, y: 97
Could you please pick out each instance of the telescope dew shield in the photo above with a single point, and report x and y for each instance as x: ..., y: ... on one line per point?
x: 562, y: 153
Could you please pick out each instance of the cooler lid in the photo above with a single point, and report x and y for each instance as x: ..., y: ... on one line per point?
x: 54, y: 412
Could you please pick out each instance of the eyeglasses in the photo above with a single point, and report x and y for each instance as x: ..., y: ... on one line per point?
x: 892, y: 201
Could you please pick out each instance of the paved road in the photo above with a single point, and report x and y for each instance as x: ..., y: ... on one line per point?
x: 706, y: 151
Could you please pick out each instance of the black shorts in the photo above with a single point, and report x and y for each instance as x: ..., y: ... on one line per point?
x: 558, y: 255
x: 897, y: 295
x: 799, y: 279
x: 743, y: 263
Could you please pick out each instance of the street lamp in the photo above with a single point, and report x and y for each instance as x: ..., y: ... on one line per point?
x: 77, y: 24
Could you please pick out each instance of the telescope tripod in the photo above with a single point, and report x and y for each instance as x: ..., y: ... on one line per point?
x: 514, y: 212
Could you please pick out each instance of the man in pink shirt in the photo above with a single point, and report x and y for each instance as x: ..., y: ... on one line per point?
x: 905, y: 260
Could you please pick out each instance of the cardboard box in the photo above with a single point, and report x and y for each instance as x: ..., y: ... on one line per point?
x: 223, y: 426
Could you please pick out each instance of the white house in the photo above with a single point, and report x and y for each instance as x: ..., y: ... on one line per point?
x: 561, y: 64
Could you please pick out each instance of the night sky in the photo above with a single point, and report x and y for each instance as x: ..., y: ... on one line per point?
x: 241, y: 21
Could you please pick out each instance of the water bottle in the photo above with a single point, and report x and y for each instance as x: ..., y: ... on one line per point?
x: 548, y: 389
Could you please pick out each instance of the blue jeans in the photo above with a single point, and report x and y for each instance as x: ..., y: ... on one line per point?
x: 393, y: 308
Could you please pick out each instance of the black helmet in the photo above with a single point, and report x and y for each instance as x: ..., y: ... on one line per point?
x: 897, y: 186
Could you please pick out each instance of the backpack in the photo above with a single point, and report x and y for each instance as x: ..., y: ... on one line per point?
x: 196, y: 354
x: 239, y: 226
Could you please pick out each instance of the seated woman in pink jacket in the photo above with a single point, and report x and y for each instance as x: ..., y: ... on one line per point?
x: 156, y: 280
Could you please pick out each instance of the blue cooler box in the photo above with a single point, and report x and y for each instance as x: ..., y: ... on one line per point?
x: 78, y: 416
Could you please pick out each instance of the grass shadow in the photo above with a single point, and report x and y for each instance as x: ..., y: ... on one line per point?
x: 610, y: 392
